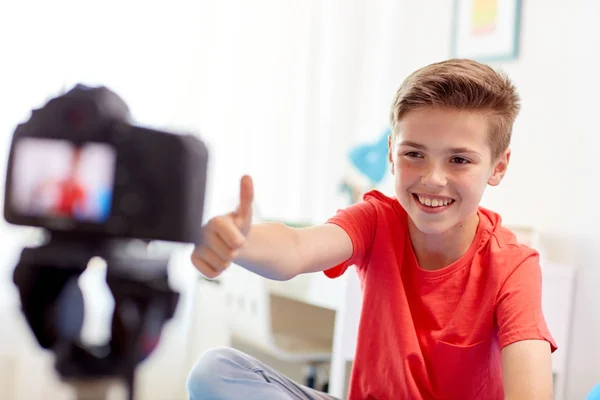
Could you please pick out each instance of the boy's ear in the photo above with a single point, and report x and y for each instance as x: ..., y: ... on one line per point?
x: 500, y: 167
x: 390, y: 150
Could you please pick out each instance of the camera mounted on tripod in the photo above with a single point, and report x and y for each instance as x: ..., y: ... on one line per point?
x: 95, y: 182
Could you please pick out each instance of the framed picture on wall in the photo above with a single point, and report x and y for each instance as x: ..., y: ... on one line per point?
x: 486, y: 30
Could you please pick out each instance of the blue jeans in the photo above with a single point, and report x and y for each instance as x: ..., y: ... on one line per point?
x: 228, y: 374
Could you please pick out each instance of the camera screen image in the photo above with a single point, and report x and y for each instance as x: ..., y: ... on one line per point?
x: 56, y: 179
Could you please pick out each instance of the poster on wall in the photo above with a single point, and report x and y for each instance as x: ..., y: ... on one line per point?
x: 486, y: 30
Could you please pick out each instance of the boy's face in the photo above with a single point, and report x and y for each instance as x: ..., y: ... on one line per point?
x: 442, y: 162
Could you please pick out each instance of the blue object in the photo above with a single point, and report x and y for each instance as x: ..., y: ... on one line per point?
x: 104, y: 200
x: 595, y: 393
x: 371, y: 159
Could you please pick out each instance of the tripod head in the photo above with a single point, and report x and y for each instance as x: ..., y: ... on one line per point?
x: 96, y: 183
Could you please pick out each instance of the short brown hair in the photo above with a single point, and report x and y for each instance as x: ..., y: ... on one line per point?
x: 464, y: 85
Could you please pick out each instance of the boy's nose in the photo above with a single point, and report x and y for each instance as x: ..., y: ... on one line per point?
x: 434, y: 177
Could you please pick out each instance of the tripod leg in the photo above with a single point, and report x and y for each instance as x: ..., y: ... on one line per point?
x: 92, y: 389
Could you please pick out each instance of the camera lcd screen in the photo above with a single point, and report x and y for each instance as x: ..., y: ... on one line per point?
x: 56, y: 179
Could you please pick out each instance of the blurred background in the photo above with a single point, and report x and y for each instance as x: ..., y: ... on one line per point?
x: 285, y: 91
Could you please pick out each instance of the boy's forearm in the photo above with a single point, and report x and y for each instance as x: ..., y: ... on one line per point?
x: 271, y: 250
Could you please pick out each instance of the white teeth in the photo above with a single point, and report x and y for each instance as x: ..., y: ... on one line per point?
x: 434, y: 202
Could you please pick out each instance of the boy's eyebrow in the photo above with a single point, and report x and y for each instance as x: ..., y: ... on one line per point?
x: 412, y: 144
x: 423, y: 147
x: 462, y: 150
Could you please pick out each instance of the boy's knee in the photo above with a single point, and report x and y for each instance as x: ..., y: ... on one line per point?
x: 203, y: 380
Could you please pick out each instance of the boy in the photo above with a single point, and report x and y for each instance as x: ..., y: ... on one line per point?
x: 452, y: 303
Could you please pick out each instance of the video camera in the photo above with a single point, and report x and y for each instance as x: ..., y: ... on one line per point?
x: 95, y: 182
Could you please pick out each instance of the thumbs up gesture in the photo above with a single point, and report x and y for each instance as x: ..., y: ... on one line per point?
x: 224, y: 236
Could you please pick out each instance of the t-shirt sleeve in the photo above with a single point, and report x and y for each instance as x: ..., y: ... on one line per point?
x: 359, y: 221
x: 519, y: 314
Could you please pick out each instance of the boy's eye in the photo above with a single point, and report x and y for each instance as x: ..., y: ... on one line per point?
x: 459, y: 160
x: 413, y: 154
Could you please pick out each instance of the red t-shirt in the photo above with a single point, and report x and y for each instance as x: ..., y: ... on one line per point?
x: 71, y: 194
x: 437, y: 334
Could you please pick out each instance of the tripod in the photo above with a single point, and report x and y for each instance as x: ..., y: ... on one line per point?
x: 52, y: 303
x: 94, y: 390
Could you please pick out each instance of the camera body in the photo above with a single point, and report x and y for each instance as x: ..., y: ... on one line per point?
x: 78, y: 167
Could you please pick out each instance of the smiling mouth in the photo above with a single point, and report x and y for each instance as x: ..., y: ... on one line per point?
x: 433, y: 202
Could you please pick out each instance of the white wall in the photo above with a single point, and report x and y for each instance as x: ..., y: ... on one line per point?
x: 552, y: 182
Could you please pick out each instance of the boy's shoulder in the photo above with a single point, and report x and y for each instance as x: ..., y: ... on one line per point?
x: 385, y: 208
x: 383, y: 202
x: 501, y: 246
x: 377, y: 196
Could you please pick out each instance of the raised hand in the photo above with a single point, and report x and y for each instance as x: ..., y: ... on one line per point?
x: 223, y: 236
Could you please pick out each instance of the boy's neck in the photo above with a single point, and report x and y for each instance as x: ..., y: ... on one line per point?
x: 435, y: 252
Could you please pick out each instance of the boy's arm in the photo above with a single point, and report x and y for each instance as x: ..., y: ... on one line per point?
x: 527, y: 370
x: 526, y: 343
x: 279, y: 252
x: 272, y: 250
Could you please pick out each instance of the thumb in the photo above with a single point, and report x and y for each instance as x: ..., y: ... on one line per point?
x: 244, y: 211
